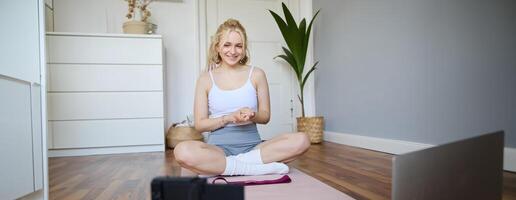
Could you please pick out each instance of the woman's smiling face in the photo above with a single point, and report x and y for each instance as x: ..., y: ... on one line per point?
x: 231, y: 48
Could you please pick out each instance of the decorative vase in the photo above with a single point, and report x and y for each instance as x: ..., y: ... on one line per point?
x: 135, y: 27
x: 137, y: 14
x: 313, y: 127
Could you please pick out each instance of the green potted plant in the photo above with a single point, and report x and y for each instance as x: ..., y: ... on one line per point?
x: 297, y: 37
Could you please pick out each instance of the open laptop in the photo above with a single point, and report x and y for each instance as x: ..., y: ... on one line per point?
x: 467, y: 169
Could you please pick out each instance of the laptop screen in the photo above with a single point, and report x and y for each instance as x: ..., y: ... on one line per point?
x: 466, y: 169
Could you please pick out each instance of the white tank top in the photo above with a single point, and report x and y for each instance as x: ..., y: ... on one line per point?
x: 224, y: 102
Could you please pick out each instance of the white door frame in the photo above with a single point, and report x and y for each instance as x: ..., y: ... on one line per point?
x: 43, y: 92
x: 305, y: 11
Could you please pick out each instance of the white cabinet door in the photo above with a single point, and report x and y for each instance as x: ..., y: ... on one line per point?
x: 16, y: 169
x: 20, y: 122
x: 19, y: 49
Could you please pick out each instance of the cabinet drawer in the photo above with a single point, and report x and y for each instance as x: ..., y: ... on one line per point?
x: 103, y: 50
x: 104, y: 105
x: 107, y: 133
x: 88, y: 77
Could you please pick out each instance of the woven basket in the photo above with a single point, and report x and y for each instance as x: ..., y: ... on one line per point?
x: 135, y: 27
x: 176, y: 135
x: 313, y: 126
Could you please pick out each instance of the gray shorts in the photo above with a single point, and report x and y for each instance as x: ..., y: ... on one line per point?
x: 235, y: 140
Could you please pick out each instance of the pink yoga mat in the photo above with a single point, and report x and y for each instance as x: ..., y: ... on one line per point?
x: 302, y: 187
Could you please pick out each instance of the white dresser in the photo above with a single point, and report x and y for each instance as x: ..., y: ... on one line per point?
x: 105, y: 94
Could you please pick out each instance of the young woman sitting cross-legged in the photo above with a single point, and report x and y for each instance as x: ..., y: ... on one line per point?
x: 231, y: 97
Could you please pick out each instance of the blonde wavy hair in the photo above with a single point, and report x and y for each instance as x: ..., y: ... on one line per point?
x: 229, y: 25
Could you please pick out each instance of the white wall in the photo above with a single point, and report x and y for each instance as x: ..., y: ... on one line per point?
x: 176, y: 20
x: 422, y: 71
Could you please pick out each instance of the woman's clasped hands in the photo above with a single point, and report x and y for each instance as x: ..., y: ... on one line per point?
x: 241, y: 115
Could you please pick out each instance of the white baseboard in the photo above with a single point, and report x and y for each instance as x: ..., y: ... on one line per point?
x: 400, y: 146
x: 37, y: 195
x: 105, y: 150
x: 373, y: 143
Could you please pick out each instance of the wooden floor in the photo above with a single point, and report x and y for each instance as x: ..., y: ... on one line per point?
x: 360, y: 173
